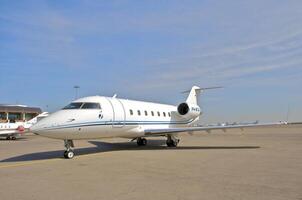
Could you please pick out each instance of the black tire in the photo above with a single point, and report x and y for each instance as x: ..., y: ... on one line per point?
x: 144, y: 142
x: 14, y: 138
x: 8, y: 138
x: 65, y: 154
x: 141, y: 142
x: 171, y: 143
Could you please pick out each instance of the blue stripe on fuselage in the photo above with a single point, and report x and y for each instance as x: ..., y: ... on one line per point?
x: 110, y: 123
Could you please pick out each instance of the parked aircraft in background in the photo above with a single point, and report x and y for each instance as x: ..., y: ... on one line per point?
x: 99, y: 117
x: 16, y: 120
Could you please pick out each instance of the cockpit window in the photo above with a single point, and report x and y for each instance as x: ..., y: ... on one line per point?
x: 91, y: 106
x: 82, y: 105
x: 73, y: 106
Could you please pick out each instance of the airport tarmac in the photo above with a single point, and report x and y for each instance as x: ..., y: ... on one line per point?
x: 266, y: 165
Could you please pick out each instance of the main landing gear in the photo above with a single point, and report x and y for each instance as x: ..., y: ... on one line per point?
x: 141, y: 142
x: 172, y: 141
x: 11, y: 138
x: 68, y: 154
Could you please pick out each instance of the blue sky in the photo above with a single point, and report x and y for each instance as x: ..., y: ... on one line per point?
x: 153, y: 50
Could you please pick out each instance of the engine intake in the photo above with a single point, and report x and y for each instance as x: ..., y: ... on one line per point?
x: 189, y: 111
x: 183, y: 109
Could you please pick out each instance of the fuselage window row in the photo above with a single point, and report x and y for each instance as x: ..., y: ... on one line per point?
x: 152, y: 113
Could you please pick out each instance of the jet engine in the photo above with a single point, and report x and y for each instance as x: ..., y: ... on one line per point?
x: 188, y: 111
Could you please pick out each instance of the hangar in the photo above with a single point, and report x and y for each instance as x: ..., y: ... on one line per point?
x: 17, y: 113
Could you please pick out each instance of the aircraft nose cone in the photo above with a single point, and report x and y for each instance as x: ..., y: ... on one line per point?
x: 38, y: 128
x: 35, y: 129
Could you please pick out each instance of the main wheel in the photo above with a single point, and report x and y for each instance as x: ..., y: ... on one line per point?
x: 14, y: 138
x: 8, y: 138
x: 141, y: 142
x: 172, y: 143
x: 68, y: 154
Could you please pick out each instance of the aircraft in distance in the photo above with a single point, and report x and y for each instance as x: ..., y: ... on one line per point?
x: 97, y: 117
x: 11, y: 132
x: 13, y: 129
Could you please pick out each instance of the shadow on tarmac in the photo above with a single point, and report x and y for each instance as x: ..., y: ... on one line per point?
x: 110, y: 147
x: 3, y: 139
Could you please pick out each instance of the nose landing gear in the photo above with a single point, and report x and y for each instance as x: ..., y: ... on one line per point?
x: 68, y: 153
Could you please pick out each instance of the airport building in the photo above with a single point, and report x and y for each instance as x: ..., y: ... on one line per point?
x: 17, y: 113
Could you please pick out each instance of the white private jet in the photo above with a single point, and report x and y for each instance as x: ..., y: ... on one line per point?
x: 99, y: 117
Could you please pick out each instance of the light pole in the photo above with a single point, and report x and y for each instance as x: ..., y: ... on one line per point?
x: 76, y: 87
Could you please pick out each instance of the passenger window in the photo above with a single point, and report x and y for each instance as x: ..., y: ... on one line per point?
x: 158, y: 113
x: 131, y: 112
x: 146, y: 113
x: 164, y: 114
x: 139, y: 112
x: 91, y: 106
x: 169, y: 114
x: 152, y: 113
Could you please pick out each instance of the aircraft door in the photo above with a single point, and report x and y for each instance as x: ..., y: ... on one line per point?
x: 119, y: 115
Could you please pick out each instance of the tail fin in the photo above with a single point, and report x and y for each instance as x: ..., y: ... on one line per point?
x: 195, y: 93
x: 37, y: 118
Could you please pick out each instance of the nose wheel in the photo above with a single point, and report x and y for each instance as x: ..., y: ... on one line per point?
x: 68, y: 153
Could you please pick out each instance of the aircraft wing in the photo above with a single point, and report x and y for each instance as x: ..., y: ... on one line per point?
x: 8, y: 132
x: 169, y: 131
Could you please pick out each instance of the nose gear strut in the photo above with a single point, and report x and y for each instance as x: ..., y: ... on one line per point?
x: 68, y: 153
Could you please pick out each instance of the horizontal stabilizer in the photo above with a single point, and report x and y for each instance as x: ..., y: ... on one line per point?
x: 195, y: 92
x: 202, y: 89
